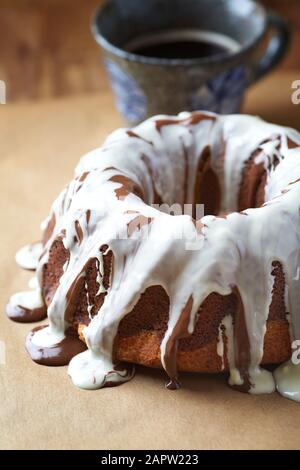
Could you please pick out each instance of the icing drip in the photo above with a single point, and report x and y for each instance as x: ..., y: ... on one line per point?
x: 26, y: 307
x: 39, y: 345
x: 241, y: 348
x: 33, y: 283
x: 287, y: 378
x: 28, y: 256
x: 91, y: 371
x: 234, y: 377
x: 111, y: 202
x: 177, y: 328
x: 220, y: 343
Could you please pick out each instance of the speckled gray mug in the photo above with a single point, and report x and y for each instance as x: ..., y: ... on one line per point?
x: 145, y: 86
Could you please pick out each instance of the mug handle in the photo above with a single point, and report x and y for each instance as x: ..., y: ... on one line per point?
x: 276, y: 48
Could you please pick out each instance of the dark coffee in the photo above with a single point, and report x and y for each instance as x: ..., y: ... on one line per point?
x: 181, y: 50
x: 183, y: 44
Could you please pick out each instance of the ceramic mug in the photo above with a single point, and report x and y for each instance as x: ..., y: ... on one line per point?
x: 145, y: 86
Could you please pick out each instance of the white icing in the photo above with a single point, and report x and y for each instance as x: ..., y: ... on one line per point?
x: 287, y: 378
x: 44, y: 224
x: 91, y: 371
x: 263, y: 381
x: 47, y: 337
x: 170, y: 251
x: 227, y: 322
x: 28, y: 256
x: 28, y: 299
x: 235, y: 377
x: 220, y: 345
x: 33, y: 283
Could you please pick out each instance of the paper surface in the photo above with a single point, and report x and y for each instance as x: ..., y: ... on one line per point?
x: 39, y: 407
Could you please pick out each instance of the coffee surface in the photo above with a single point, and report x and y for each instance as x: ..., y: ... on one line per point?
x: 189, y: 49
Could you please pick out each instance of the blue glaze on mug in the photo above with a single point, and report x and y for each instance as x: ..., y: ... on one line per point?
x: 130, y: 100
x: 222, y: 94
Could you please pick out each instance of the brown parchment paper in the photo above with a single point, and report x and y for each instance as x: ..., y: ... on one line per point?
x: 39, y: 407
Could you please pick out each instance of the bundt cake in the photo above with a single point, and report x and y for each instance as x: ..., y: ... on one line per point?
x: 129, y: 272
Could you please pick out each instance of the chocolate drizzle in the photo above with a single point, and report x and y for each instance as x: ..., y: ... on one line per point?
x: 57, y: 355
x: 74, y: 292
x: 170, y: 356
x: 79, y: 231
x: 127, y: 186
x: 83, y: 176
x: 197, y: 117
x: 242, y: 344
x: 137, y: 224
x: 186, y: 174
x: 130, y: 371
x: 88, y: 216
x: 291, y: 144
x: 21, y: 314
x: 130, y: 133
x: 193, y: 119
